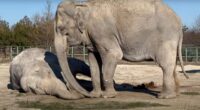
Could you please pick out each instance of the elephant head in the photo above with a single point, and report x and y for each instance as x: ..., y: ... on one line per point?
x: 69, y: 27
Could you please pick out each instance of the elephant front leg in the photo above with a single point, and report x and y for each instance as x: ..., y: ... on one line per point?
x: 95, y: 75
x: 109, y: 60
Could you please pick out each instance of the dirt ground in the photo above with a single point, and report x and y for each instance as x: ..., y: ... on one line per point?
x: 127, y: 78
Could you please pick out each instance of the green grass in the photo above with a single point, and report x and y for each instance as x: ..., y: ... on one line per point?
x: 20, y: 95
x: 190, y: 93
x: 109, y: 105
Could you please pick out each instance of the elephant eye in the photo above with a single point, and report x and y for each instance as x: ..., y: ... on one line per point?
x: 67, y: 34
x: 61, y: 28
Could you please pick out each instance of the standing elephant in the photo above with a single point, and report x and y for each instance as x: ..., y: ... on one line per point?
x: 133, y: 30
x: 37, y: 70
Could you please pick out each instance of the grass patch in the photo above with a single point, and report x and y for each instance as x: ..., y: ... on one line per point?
x: 20, y: 95
x: 190, y: 93
x: 109, y: 105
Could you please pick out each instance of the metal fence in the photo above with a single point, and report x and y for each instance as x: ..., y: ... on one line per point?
x: 7, y: 53
x: 189, y: 54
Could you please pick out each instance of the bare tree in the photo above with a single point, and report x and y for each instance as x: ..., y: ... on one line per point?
x: 185, y: 28
x: 48, y: 23
x: 44, y: 25
x: 192, y: 36
x: 48, y: 11
x: 196, y: 27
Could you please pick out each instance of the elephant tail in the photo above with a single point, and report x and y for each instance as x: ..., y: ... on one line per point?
x: 180, y: 54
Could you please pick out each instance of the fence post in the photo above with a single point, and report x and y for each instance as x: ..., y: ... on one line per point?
x: 50, y: 48
x: 186, y: 60
x: 11, y: 52
x: 196, y: 54
x: 72, y: 54
x: 17, y: 50
x: 84, y: 53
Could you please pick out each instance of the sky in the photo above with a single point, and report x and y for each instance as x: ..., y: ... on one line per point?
x: 14, y: 10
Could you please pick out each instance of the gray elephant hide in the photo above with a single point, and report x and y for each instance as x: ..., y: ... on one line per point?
x: 38, y: 71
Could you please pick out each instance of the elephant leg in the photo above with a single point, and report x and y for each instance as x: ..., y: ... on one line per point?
x: 176, y: 82
x: 95, y: 75
x: 109, y: 63
x: 167, y: 61
x: 169, y: 87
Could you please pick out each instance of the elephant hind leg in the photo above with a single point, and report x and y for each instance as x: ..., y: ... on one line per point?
x: 169, y: 87
x: 176, y: 81
x: 166, y: 59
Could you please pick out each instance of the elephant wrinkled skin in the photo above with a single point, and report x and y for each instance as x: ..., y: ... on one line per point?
x: 133, y: 30
x: 37, y: 70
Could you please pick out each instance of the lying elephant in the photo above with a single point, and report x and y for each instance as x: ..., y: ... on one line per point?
x: 133, y: 30
x: 38, y: 71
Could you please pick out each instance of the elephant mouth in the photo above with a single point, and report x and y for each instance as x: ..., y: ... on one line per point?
x: 73, y: 42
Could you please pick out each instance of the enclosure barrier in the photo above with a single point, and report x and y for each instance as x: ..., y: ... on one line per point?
x: 7, y: 53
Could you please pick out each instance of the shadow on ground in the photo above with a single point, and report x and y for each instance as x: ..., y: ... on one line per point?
x: 193, y: 71
x: 143, y: 88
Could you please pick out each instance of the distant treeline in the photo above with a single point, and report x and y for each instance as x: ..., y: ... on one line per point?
x: 191, y: 36
x: 26, y: 32
x: 35, y: 31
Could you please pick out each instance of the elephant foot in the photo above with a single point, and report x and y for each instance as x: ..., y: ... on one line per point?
x: 109, y: 94
x: 165, y: 95
x: 95, y: 94
x: 78, y: 95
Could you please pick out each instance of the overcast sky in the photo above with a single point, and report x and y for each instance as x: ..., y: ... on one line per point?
x: 13, y: 10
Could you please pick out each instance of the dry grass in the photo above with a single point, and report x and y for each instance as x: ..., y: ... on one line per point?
x: 106, y: 105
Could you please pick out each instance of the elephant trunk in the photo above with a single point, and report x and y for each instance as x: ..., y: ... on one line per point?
x: 61, y: 48
x: 68, y: 95
x: 60, y: 90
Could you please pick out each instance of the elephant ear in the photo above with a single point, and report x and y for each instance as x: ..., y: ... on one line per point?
x: 79, y: 18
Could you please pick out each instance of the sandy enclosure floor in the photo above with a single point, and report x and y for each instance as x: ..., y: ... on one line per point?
x: 131, y: 75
